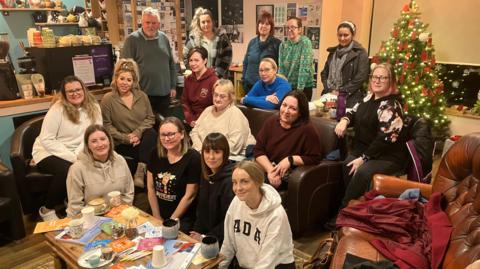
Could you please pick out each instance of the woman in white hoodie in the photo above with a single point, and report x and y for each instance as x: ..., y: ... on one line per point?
x: 257, y: 231
x: 97, y: 171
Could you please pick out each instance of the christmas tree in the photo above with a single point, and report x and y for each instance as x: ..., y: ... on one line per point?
x: 409, y: 49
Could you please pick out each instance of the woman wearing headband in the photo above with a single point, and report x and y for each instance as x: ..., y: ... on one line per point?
x: 346, y: 69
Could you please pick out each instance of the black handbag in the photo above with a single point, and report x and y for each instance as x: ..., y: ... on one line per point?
x: 323, y: 256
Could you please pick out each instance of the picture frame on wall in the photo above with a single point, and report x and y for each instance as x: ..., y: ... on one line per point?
x: 262, y: 9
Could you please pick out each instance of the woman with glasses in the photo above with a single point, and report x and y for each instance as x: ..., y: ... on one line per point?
x: 296, y: 58
x: 225, y: 118
x: 270, y: 90
x: 203, y: 34
x: 346, y: 69
x: 262, y: 46
x: 129, y: 118
x: 215, y: 192
x: 98, y: 171
x: 61, y: 138
x: 197, y: 93
x: 377, y: 121
x: 174, y: 172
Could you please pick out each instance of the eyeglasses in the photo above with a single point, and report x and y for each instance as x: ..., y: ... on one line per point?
x: 221, y: 96
x: 379, y: 78
x: 74, y: 91
x: 168, y: 135
x: 291, y: 28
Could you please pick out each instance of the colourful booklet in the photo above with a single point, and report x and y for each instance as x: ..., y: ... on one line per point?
x: 180, y: 253
x: 53, y: 225
x: 149, y: 243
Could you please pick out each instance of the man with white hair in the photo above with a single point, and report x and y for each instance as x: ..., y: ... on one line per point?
x: 150, y: 48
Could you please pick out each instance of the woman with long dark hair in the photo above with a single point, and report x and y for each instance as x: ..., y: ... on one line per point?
x: 215, y: 192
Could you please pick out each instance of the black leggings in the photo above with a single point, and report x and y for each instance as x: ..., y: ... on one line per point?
x: 360, y: 182
x: 141, y: 152
x: 57, y: 191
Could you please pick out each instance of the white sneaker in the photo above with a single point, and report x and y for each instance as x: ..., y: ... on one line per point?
x: 46, y: 214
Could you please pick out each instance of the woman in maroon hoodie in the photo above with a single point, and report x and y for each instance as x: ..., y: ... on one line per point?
x: 197, y: 93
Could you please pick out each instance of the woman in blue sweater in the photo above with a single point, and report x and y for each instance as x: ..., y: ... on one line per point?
x: 270, y: 90
x: 262, y: 46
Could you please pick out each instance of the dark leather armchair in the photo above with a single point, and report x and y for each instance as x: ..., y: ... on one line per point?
x: 30, y: 182
x: 10, y: 209
x: 313, y: 191
x: 457, y: 179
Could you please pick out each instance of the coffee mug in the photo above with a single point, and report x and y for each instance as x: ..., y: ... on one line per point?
x: 88, y: 215
x: 99, y: 205
x: 94, y: 260
x: 75, y: 227
x: 115, y: 198
x: 209, y: 248
x: 170, y: 228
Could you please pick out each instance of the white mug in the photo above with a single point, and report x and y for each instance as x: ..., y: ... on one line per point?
x: 88, y: 215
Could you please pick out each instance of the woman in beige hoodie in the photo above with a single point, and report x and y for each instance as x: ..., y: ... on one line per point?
x: 98, y: 171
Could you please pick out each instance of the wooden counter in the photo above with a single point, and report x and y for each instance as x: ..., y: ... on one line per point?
x: 19, y: 106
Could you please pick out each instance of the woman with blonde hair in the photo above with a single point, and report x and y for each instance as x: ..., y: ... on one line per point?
x: 61, y: 138
x: 204, y: 34
x: 257, y: 231
x: 377, y: 121
x: 128, y: 117
x: 225, y: 118
x: 269, y: 91
x: 98, y: 171
x: 174, y: 172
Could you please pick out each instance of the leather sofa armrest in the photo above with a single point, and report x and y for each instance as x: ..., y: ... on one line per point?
x: 312, y: 194
x: 391, y: 186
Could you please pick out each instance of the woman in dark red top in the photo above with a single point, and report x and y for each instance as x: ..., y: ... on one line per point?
x: 197, y: 93
x: 287, y: 140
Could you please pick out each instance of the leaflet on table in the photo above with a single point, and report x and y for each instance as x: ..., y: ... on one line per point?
x: 88, y: 236
x: 53, y: 225
x: 180, y: 252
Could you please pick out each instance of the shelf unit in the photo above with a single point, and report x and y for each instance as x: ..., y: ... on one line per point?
x: 45, y: 24
x: 6, y: 11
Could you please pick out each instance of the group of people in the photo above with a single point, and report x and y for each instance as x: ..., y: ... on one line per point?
x: 195, y: 169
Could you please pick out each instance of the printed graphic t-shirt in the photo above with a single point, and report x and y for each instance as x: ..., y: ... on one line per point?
x: 170, y: 180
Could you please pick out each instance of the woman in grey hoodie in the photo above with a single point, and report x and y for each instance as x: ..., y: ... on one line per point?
x: 98, y: 171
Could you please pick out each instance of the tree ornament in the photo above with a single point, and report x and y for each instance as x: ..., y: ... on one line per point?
x: 424, y: 56
x: 423, y: 37
x: 414, y: 35
x: 406, y: 8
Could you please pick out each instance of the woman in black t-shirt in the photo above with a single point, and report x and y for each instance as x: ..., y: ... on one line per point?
x: 174, y: 172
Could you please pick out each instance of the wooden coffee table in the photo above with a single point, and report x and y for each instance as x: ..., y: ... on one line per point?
x: 66, y: 254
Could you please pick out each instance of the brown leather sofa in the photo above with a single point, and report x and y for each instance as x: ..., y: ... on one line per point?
x: 10, y: 208
x: 313, y: 191
x: 457, y: 179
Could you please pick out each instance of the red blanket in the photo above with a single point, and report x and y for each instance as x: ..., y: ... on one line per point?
x: 408, y: 224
